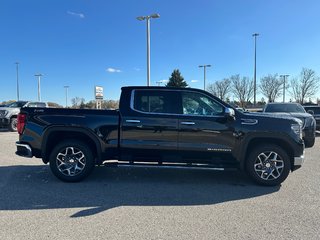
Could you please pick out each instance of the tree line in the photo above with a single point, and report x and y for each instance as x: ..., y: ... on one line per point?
x: 301, y: 88
x: 79, y: 102
x: 272, y: 86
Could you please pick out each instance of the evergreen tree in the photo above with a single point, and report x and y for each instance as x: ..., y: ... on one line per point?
x: 176, y: 80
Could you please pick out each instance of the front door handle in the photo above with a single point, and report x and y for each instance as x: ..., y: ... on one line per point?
x: 133, y: 121
x: 187, y: 123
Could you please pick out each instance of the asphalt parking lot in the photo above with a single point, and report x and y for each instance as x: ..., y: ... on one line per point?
x: 154, y: 203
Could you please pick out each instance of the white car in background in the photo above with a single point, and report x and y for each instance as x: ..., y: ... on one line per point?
x: 9, y: 113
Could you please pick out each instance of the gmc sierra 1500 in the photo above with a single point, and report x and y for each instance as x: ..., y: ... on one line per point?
x: 168, y: 126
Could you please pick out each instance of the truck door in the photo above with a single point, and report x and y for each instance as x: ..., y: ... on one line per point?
x: 205, y: 134
x: 149, y: 129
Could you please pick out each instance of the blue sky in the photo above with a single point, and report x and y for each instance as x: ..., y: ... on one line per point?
x: 76, y: 42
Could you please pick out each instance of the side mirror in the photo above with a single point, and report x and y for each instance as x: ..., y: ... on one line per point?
x: 310, y: 112
x: 229, y: 113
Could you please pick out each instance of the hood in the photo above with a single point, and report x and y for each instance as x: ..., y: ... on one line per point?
x: 297, y: 115
x: 285, y: 116
x: 301, y: 116
x: 9, y: 109
x: 6, y: 108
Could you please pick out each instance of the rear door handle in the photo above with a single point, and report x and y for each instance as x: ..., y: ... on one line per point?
x: 133, y: 121
x: 187, y: 123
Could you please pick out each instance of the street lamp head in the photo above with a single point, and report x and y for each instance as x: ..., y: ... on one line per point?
x: 255, y: 34
x: 207, y: 65
x: 155, y: 15
x: 38, y: 75
x: 141, y: 18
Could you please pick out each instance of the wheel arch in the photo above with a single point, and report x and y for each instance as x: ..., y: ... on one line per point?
x: 263, y: 141
x: 54, y: 135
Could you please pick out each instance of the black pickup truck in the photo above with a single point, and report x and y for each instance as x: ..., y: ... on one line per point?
x: 164, y: 126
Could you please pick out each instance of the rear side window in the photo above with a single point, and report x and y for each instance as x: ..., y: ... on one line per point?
x: 155, y: 101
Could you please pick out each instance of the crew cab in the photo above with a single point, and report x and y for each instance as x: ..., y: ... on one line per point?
x: 182, y: 127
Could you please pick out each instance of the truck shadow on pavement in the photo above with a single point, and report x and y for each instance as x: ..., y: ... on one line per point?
x: 34, y: 187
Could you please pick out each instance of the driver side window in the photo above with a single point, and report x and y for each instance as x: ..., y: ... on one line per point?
x: 199, y: 104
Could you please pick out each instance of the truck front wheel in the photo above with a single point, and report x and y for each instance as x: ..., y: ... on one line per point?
x: 268, y: 165
x: 71, y: 161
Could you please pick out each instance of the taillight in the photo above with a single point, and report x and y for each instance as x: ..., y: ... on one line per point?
x: 21, y: 122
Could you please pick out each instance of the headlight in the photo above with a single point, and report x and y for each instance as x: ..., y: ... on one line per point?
x: 296, y: 128
x: 3, y: 113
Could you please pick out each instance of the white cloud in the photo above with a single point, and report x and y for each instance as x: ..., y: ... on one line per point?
x: 194, y: 81
x: 164, y: 81
x: 80, y: 15
x: 113, y: 70
x: 136, y: 69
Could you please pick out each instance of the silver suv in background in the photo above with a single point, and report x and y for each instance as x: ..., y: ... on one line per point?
x: 9, y: 113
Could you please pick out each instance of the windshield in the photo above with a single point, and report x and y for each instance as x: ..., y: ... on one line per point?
x: 316, y: 110
x: 16, y: 104
x: 289, y: 108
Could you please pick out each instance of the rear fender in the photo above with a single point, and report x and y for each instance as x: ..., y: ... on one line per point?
x: 53, y: 135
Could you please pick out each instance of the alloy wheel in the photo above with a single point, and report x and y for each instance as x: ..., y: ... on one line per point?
x: 71, y: 161
x: 269, y: 165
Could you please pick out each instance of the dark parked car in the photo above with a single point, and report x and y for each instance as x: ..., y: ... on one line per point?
x: 180, y: 127
x: 296, y: 110
x: 315, y: 112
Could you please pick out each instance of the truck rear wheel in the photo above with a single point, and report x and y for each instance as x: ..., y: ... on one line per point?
x: 71, y: 161
x: 268, y: 165
x: 13, y: 124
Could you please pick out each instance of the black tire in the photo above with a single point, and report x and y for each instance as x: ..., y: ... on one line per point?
x: 268, y: 165
x: 309, y: 142
x: 13, y: 124
x: 71, y: 161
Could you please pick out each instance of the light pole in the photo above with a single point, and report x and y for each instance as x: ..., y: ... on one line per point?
x: 204, y: 74
x: 284, y: 76
x: 39, y: 75
x: 66, y: 87
x: 147, y: 18
x: 17, y: 68
x: 255, y: 69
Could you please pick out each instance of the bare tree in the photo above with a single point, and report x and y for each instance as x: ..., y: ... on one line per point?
x: 220, y: 88
x: 77, y: 102
x: 54, y: 105
x: 271, y: 87
x: 110, y: 104
x: 106, y: 104
x: 305, y: 86
x: 242, y: 89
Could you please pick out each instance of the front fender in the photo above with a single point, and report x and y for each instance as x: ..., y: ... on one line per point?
x: 292, y: 147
